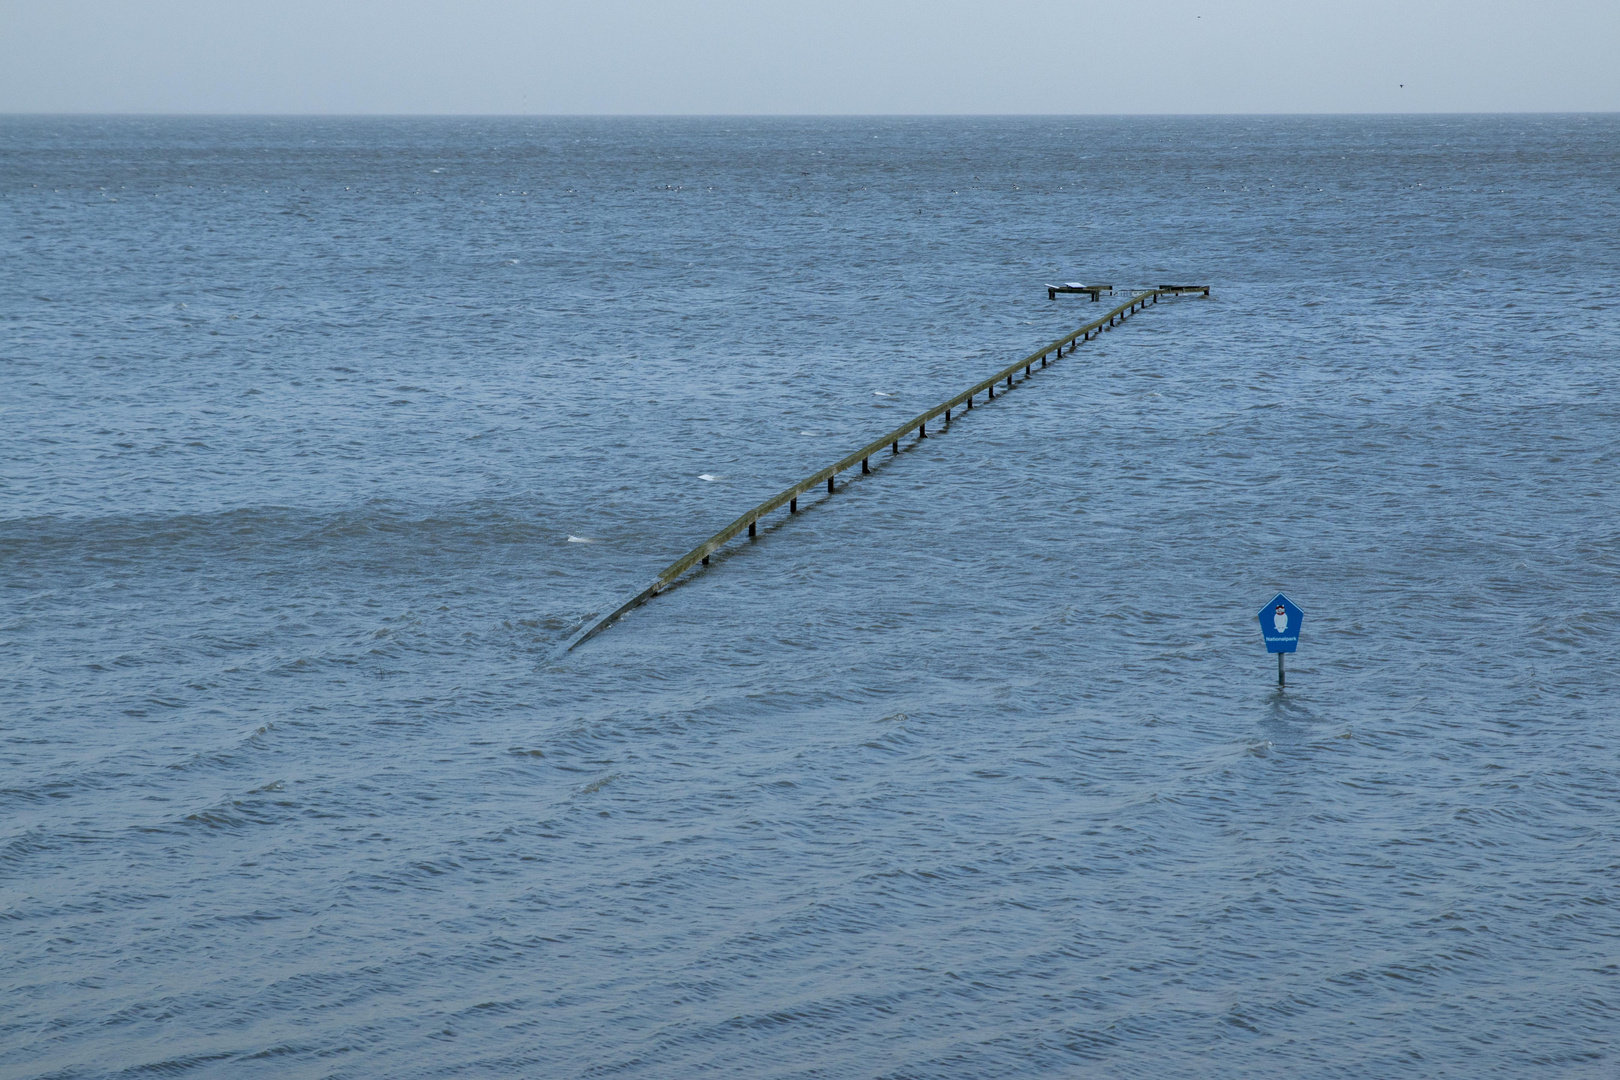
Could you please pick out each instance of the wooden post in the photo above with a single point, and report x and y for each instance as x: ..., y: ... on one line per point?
x: 829, y: 485
x: 922, y: 431
x: 1279, y: 669
x: 751, y: 525
x: 793, y: 506
x: 866, y: 465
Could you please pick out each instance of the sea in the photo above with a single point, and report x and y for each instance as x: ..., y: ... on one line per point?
x: 320, y: 437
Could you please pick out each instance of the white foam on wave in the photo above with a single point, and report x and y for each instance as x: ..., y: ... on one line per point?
x: 880, y: 393
x: 710, y: 477
x: 580, y: 540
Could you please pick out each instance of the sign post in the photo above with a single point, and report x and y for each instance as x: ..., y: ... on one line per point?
x: 1279, y: 626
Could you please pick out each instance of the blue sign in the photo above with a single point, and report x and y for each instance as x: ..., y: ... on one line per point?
x: 1279, y: 624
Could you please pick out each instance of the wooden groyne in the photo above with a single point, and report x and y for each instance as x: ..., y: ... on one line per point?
x: 891, y: 442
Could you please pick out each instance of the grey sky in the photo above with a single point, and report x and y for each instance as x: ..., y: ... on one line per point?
x: 845, y: 56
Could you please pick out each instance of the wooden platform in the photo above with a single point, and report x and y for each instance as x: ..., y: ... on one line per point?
x: 1076, y: 287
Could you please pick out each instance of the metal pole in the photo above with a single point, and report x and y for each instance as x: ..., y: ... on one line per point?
x: 1279, y: 669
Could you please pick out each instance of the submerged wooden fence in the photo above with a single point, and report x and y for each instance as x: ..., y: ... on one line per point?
x: 863, y: 456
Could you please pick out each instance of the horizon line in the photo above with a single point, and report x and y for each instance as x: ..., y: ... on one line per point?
x: 9, y: 114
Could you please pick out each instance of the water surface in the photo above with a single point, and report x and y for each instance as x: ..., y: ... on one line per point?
x: 317, y: 438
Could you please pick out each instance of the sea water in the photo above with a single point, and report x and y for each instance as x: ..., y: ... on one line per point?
x: 318, y: 437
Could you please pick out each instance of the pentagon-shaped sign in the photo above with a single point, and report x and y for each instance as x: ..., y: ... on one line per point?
x: 1279, y: 624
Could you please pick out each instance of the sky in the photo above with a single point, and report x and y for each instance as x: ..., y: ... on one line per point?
x: 709, y: 57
